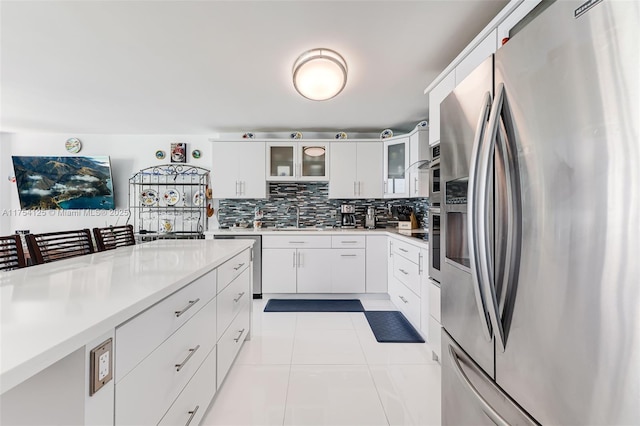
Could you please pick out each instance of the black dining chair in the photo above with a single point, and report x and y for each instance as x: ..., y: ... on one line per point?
x: 52, y: 246
x: 113, y: 237
x: 11, y: 253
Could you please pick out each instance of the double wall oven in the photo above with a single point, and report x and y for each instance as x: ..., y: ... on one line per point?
x: 435, y: 198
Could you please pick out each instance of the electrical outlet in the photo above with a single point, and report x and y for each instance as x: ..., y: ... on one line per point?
x: 100, y: 369
x: 333, y: 214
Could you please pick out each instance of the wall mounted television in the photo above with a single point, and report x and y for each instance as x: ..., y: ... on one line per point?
x: 54, y: 183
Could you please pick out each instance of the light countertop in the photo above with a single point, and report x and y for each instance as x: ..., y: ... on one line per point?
x: 50, y: 310
x: 393, y: 232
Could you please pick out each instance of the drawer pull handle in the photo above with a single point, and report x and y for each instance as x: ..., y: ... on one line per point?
x: 404, y: 250
x: 297, y: 242
x: 403, y: 271
x: 348, y: 255
x: 239, y: 266
x: 186, y: 308
x: 192, y: 414
x: 349, y: 242
x: 239, y: 297
x: 191, y: 352
x: 237, y: 339
x: 403, y: 299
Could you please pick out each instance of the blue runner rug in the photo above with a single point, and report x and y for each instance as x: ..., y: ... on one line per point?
x: 314, y: 305
x: 392, y: 327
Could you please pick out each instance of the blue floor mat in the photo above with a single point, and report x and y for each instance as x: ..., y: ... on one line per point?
x: 314, y: 305
x: 392, y: 327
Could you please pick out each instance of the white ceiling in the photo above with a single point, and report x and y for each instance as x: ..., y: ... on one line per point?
x: 198, y: 67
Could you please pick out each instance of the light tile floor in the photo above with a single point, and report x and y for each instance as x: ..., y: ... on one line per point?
x: 327, y: 369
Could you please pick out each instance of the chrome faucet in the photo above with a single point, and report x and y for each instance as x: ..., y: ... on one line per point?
x: 297, y: 214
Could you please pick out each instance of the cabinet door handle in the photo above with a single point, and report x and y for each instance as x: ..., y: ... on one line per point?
x: 403, y: 299
x: 359, y: 188
x: 191, y: 352
x: 348, y: 255
x: 390, y: 249
x: 239, y: 297
x: 239, y: 266
x: 186, y: 308
x: 237, y: 191
x: 237, y: 339
x: 385, y: 187
x: 403, y: 271
x: 192, y: 414
x: 294, y: 259
x: 420, y: 270
x: 299, y: 259
x: 355, y: 191
x: 415, y: 185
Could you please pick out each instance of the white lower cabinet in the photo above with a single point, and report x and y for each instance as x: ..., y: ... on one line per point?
x: 279, y: 270
x: 376, y: 264
x: 192, y: 403
x: 172, y: 380
x: 144, y: 395
x: 314, y: 270
x: 434, y: 317
x: 347, y: 271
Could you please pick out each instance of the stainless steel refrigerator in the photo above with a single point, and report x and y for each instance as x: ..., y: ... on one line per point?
x: 540, y: 162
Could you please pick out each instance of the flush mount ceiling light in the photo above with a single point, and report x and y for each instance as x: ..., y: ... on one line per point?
x: 319, y: 74
x: 314, y: 151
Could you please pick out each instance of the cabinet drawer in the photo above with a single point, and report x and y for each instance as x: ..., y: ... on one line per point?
x: 406, y: 250
x: 145, y: 332
x: 434, y: 301
x: 407, y: 302
x: 231, y: 342
x: 407, y: 272
x: 231, y: 300
x: 232, y: 268
x: 144, y: 395
x: 192, y: 403
x: 348, y: 241
x: 296, y: 241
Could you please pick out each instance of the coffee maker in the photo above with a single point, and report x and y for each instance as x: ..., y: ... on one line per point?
x: 348, y: 216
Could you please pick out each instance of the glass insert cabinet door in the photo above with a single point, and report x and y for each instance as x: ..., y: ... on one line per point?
x: 396, y: 162
x: 297, y: 161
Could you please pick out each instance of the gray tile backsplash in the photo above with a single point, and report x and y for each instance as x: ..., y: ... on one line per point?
x: 316, y: 209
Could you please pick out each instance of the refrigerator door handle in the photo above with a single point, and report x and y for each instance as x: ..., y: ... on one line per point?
x: 512, y: 250
x: 486, y: 407
x: 473, y: 211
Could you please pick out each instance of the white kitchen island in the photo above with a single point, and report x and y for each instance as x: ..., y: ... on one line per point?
x: 52, y: 315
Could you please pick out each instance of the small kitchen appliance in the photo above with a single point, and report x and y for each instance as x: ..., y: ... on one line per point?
x: 370, y: 218
x: 348, y: 216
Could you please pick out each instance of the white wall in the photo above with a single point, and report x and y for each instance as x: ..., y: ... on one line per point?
x: 129, y: 153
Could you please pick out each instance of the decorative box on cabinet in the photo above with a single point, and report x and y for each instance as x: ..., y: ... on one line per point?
x: 239, y: 170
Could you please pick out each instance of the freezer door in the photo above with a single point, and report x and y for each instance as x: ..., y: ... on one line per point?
x: 470, y: 397
x: 464, y: 314
x: 572, y: 355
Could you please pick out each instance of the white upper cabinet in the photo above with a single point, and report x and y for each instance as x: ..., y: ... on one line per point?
x: 238, y: 170
x: 355, y: 170
x: 418, y: 152
x: 297, y: 161
x: 437, y: 94
x: 482, y: 51
x: 395, y: 164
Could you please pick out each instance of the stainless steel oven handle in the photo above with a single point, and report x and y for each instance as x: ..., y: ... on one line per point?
x: 473, y: 211
x: 486, y: 407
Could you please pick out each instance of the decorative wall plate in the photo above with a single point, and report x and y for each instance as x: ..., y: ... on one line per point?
x: 341, y: 135
x: 73, y: 145
x: 386, y: 133
x: 171, y: 197
x: 198, y: 198
x: 248, y: 135
x: 196, y: 153
x: 295, y: 135
x: 166, y: 225
x: 160, y: 154
x: 423, y: 123
x: 149, y: 197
